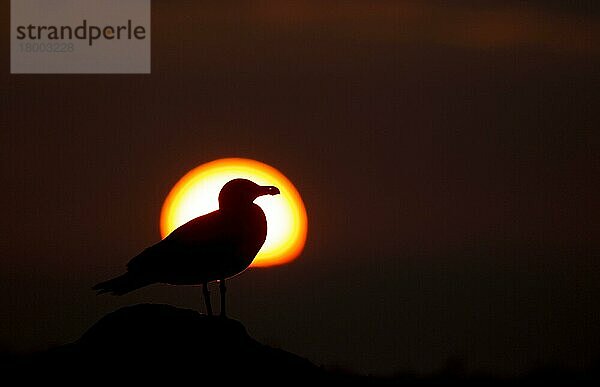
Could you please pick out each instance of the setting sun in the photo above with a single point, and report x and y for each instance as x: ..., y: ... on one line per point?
x: 196, y: 194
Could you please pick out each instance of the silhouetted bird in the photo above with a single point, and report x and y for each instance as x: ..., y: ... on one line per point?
x: 209, y: 248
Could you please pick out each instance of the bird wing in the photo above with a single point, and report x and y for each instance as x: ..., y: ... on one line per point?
x: 192, y: 249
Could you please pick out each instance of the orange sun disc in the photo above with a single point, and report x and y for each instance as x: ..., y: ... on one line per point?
x: 197, y: 192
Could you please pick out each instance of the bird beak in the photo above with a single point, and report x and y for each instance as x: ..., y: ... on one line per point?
x: 268, y: 190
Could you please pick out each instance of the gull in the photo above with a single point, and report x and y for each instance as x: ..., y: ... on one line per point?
x: 212, y: 247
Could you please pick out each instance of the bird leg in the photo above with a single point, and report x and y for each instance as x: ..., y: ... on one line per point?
x: 206, y: 294
x: 222, y: 290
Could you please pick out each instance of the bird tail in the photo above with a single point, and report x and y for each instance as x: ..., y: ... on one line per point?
x: 121, y: 285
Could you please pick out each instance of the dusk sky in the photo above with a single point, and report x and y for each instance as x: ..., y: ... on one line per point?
x: 446, y: 152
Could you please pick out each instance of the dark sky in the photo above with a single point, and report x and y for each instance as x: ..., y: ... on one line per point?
x: 447, y: 156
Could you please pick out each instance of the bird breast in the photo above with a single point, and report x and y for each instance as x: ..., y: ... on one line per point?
x: 252, y: 228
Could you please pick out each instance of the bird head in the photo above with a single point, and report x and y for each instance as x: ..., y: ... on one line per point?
x: 240, y: 192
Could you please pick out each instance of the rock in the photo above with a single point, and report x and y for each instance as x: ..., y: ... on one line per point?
x: 151, y: 342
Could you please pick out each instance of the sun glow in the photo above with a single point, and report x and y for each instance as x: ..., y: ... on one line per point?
x: 197, y: 192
